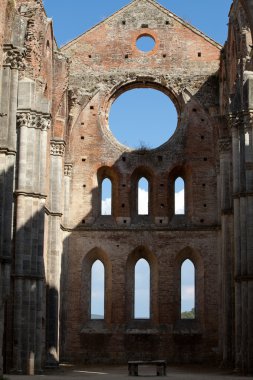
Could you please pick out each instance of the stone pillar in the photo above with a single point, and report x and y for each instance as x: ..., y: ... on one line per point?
x: 54, y: 252
x: 243, y: 243
x: 13, y: 63
x: 29, y: 269
x: 237, y: 230
x: 248, y: 137
x: 226, y: 262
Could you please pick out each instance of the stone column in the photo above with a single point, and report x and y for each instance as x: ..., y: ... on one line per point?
x: 54, y: 252
x: 243, y: 243
x: 227, y: 288
x: 13, y: 63
x: 248, y: 137
x: 235, y: 122
x: 29, y: 271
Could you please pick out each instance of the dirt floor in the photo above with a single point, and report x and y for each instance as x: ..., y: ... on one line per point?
x: 100, y: 372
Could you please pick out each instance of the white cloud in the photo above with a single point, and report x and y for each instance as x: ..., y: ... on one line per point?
x: 142, y: 202
x: 188, y: 293
x: 179, y: 203
x: 107, y: 206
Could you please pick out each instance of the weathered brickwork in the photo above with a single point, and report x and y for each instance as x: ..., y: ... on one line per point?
x: 55, y: 150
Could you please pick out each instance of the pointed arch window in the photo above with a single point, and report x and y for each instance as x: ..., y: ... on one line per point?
x: 188, y: 301
x: 97, y: 290
x: 142, y: 290
x: 106, y: 197
x: 179, y: 196
x: 143, y: 196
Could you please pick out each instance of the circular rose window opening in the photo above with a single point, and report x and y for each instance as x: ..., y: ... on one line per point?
x: 145, y: 43
x: 143, y: 118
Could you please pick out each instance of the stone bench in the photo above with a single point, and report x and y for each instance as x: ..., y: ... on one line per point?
x: 134, y: 365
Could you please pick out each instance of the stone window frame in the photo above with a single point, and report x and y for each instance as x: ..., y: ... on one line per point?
x: 88, y: 261
x: 138, y: 253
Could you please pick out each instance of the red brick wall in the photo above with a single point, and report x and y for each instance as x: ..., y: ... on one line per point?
x: 104, y: 62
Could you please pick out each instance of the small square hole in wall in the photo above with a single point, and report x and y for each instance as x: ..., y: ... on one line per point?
x: 126, y: 56
x: 167, y: 22
x: 123, y: 22
x: 82, y: 137
x: 202, y: 137
x: 91, y: 107
x: 203, y: 185
x: 82, y: 123
x: 194, y: 110
x: 123, y: 205
x: 125, y: 222
x: 83, y: 159
x: 202, y: 119
x: 161, y: 221
x: 84, y: 186
x: 160, y: 158
x: 83, y: 221
x: 199, y: 54
x: 124, y: 159
x: 162, y: 184
x: 205, y: 159
x: 123, y: 185
x: 89, y: 55
x: 201, y: 220
x: 205, y: 205
x: 162, y: 205
x: 164, y: 55
x: 144, y: 25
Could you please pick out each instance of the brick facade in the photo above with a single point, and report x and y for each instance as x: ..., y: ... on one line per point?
x: 55, y: 136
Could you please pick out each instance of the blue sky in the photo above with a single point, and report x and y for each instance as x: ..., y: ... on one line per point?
x: 72, y: 18
x: 140, y: 117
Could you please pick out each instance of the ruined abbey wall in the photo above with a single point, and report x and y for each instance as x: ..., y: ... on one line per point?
x: 55, y: 150
x: 100, y: 70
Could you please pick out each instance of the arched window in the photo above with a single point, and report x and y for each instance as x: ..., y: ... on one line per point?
x: 106, y: 197
x: 142, y: 290
x: 97, y: 290
x: 187, y: 290
x: 179, y: 193
x: 143, y: 196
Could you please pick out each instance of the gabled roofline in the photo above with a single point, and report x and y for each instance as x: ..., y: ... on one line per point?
x: 161, y: 8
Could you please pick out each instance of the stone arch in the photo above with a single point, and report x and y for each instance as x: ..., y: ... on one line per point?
x: 96, y: 253
x: 142, y: 252
x: 196, y: 259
